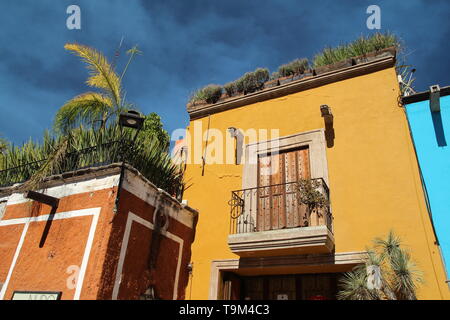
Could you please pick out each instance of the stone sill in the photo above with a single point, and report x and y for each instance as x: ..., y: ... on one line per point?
x: 293, y: 241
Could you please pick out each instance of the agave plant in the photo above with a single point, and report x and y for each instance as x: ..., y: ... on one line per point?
x: 400, y: 277
x: 3, y: 145
x: 83, y: 148
x: 101, y: 105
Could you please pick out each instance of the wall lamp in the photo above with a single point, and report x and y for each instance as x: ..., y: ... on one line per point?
x: 131, y: 119
x: 237, y: 134
x: 326, y: 114
x: 328, y: 119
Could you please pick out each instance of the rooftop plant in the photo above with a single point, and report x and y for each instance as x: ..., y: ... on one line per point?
x: 82, y: 148
x: 361, y: 46
x: 297, y: 66
x: 210, y: 93
x: 3, y: 144
x: 101, y: 105
x: 249, y: 82
x: 78, y: 143
x: 253, y: 81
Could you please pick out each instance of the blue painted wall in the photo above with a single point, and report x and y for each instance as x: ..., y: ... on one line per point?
x: 431, y: 135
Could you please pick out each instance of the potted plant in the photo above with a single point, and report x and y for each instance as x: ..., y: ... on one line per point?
x: 315, y: 200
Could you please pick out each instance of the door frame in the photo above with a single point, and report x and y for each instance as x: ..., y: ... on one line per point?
x: 333, y: 260
x: 314, y: 140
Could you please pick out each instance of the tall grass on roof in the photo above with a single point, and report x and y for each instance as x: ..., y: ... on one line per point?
x: 361, y: 46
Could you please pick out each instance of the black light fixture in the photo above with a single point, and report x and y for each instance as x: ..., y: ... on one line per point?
x: 329, y: 129
x: 131, y: 119
x: 326, y: 113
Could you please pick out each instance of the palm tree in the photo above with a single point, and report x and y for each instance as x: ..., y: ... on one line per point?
x: 399, y: 275
x: 78, y: 144
x: 90, y: 107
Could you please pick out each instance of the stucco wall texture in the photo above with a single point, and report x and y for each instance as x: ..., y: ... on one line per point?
x: 373, y: 174
x: 84, y: 240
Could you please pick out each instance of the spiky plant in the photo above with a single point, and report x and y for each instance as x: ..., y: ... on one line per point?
x: 399, y: 275
x: 33, y: 162
x: 101, y: 105
x: 3, y: 145
x: 355, y: 284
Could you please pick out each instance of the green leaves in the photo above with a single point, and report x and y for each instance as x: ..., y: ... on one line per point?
x: 309, y: 194
x: 102, y: 74
x: 400, y: 276
x: 89, y: 107
x: 89, y: 148
x: 210, y: 93
x: 295, y: 67
x: 83, y: 109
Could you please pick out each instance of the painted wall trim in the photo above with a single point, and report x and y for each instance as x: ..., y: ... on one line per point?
x: 123, y: 251
x: 218, y: 266
x: 95, y: 212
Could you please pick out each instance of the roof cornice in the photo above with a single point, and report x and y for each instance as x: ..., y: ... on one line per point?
x: 196, y: 112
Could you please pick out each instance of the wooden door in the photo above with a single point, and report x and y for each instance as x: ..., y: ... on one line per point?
x: 278, y: 205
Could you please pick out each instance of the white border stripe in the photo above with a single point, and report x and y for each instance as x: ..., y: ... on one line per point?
x: 123, y: 250
x: 13, y: 264
x: 95, y: 212
x: 87, y: 252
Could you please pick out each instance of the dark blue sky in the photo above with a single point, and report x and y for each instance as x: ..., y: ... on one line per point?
x: 187, y: 44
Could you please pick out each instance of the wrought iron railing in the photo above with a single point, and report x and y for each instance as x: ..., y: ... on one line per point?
x: 107, y: 153
x: 289, y: 205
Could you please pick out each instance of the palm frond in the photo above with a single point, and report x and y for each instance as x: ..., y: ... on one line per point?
x: 51, y: 165
x: 102, y: 74
x: 84, y: 108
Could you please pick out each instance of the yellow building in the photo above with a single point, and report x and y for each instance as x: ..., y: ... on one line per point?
x: 344, y: 129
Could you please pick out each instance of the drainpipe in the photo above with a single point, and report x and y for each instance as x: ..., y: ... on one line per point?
x: 119, y: 187
x: 237, y: 134
x: 156, y: 234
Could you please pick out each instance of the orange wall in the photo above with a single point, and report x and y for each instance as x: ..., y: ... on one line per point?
x: 45, y: 268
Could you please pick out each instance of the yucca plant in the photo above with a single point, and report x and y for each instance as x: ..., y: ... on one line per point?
x: 95, y: 106
x: 400, y: 277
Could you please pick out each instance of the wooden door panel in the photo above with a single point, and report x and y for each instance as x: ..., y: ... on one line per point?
x: 278, y: 205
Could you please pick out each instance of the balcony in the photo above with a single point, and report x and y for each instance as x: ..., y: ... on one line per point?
x: 283, y: 219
